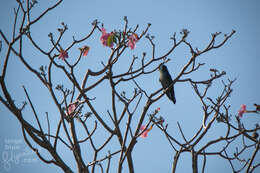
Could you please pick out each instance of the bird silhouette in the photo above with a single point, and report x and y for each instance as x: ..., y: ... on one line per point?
x: 166, y: 81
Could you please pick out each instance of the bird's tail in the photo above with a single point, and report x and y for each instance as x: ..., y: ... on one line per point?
x: 171, y: 96
x: 173, y: 99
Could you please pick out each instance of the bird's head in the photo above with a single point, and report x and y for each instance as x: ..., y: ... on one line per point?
x: 162, y: 68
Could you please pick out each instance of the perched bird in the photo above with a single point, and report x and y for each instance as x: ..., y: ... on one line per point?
x: 166, y: 81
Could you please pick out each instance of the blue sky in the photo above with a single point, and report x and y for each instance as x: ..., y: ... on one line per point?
x: 239, y: 58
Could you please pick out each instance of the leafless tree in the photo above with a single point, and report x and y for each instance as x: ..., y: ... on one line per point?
x: 74, y: 103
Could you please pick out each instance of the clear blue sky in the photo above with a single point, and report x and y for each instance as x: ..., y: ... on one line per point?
x: 239, y: 58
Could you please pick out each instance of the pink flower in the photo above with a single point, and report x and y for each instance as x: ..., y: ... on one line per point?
x: 132, y: 39
x: 84, y: 50
x: 144, y: 134
x: 71, y: 109
x: 242, y: 110
x: 107, y: 38
x: 63, y: 54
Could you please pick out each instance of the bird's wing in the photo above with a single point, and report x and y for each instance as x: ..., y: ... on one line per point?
x: 166, y: 80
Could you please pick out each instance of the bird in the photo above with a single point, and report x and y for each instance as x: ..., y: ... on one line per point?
x: 166, y: 81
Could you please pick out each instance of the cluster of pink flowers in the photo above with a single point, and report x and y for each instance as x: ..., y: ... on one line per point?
x: 107, y: 39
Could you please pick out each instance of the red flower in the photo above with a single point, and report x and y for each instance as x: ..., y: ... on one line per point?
x: 63, y: 54
x: 242, y: 110
x: 132, y: 39
x: 107, y: 39
x: 144, y: 134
